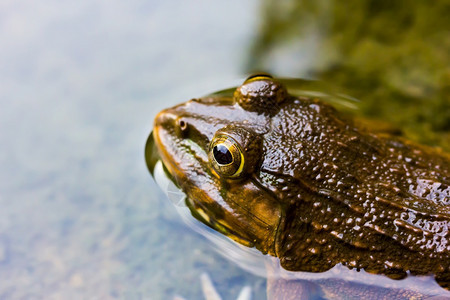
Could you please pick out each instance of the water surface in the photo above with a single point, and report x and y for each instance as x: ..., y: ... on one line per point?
x: 80, y: 216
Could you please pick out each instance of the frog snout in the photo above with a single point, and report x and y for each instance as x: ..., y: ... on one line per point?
x: 164, y: 118
x: 172, y: 122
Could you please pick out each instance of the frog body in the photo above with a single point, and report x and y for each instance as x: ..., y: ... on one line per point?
x: 297, y: 180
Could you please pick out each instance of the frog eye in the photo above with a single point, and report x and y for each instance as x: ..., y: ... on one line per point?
x: 226, y: 156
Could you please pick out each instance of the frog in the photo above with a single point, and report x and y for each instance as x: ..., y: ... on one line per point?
x: 301, y: 182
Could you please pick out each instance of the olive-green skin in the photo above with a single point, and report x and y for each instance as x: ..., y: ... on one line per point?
x: 319, y: 190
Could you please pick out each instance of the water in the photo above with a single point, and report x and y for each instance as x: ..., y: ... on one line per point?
x: 81, y: 82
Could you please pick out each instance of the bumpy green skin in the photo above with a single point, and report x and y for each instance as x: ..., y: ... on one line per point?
x: 321, y: 191
x: 367, y: 201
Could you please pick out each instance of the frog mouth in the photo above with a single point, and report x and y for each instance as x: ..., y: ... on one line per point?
x: 171, y: 187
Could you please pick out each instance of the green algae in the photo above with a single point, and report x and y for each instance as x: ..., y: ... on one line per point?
x: 392, y: 55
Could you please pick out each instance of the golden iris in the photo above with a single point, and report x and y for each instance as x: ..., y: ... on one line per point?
x: 226, y: 156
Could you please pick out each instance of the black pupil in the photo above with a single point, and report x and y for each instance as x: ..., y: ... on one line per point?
x: 222, y: 155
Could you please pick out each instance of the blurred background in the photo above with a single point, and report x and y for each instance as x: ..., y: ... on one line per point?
x: 80, y: 84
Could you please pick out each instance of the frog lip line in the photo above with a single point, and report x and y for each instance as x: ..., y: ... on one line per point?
x: 199, y: 161
x: 182, y: 180
x: 181, y: 199
x: 167, y: 183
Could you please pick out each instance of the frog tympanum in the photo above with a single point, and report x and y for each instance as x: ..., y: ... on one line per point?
x: 297, y: 180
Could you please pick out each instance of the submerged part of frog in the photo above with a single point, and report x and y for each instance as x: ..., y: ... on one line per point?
x: 293, y: 178
x: 336, y: 283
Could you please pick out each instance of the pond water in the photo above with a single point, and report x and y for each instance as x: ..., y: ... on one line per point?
x: 80, y: 216
x: 81, y: 82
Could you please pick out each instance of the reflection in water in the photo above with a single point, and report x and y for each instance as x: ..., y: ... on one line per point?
x: 393, y: 55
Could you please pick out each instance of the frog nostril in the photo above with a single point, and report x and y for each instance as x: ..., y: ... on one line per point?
x: 183, y: 125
